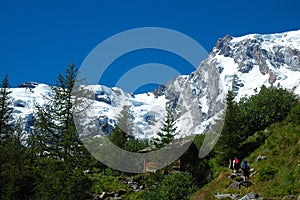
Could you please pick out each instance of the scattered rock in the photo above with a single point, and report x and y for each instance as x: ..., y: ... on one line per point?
x: 261, y: 158
x: 111, y: 194
x: 237, y: 185
x: 103, y: 195
x: 142, y: 187
x: 250, y: 196
x: 121, y: 192
x: 232, y: 176
x: 223, y: 196
x: 234, y: 185
x: 252, y: 174
x: 245, y: 183
x: 289, y: 197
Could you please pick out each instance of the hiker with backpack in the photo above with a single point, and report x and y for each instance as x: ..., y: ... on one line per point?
x: 245, y: 170
x: 236, y: 164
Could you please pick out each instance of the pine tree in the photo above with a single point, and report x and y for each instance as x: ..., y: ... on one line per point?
x: 17, y: 181
x: 167, y: 131
x: 6, y: 137
x: 231, y: 136
x: 124, y: 128
x: 6, y: 109
x: 62, y: 156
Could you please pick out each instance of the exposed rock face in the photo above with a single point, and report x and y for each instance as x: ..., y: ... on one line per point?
x: 242, y: 64
x: 269, y: 52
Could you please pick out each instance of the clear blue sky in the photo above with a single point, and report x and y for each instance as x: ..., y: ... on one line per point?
x: 38, y: 39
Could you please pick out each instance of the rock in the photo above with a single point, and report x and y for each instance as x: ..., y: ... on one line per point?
x: 20, y: 103
x: 250, y: 196
x: 261, y: 158
x: 223, y: 196
x: 142, y: 187
x: 135, y: 186
x: 252, y: 174
x: 245, y: 183
x: 232, y: 176
x: 121, y: 192
x: 118, y: 198
x: 289, y: 197
x: 235, y: 185
x: 235, y: 196
x: 111, y: 194
x: 103, y: 195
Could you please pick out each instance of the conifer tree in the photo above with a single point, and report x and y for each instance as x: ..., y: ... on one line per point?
x: 14, y: 179
x: 231, y: 136
x: 6, y: 109
x: 167, y: 131
x: 17, y: 181
x: 124, y: 128
x: 62, y: 156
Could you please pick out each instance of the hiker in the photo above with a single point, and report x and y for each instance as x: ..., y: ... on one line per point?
x: 245, y: 170
x: 236, y: 165
x: 230, y: 166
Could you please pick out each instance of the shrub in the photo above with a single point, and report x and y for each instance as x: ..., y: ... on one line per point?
x: 173, y: 186
x: 294, y: 115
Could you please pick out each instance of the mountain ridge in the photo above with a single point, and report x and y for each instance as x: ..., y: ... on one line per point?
x: 242, y: 64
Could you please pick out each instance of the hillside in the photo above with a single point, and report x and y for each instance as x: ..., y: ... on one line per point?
x: 275, y: 177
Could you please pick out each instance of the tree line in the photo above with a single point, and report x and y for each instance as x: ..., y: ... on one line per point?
x: 51, y: 162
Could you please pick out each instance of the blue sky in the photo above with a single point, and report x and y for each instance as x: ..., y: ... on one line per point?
x: 38, y: 39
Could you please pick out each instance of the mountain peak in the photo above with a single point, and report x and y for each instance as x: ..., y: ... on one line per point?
x: 242, y: 64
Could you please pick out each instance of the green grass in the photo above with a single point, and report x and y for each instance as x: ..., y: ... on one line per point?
x: 278, y: 175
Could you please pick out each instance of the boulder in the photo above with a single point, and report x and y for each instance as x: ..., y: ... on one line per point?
x: 261, y: 158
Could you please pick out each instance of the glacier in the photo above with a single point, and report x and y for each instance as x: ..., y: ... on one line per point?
x: 242, y: 64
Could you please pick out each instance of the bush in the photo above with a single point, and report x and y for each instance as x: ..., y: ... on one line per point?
x: 269, y: 106
x: 107, y: 183
x: 173, y: 186
x: 294, y: 115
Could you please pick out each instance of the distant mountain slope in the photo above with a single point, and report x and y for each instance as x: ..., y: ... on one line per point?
x: 242, y: 64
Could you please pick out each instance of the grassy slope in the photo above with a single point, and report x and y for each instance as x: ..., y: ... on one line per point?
x: 278, y: 175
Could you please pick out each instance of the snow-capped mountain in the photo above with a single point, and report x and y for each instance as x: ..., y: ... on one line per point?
x: 242, y: 64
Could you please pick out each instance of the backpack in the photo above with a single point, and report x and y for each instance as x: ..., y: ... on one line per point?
x: 237, y: 161
x: 245, y: 166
